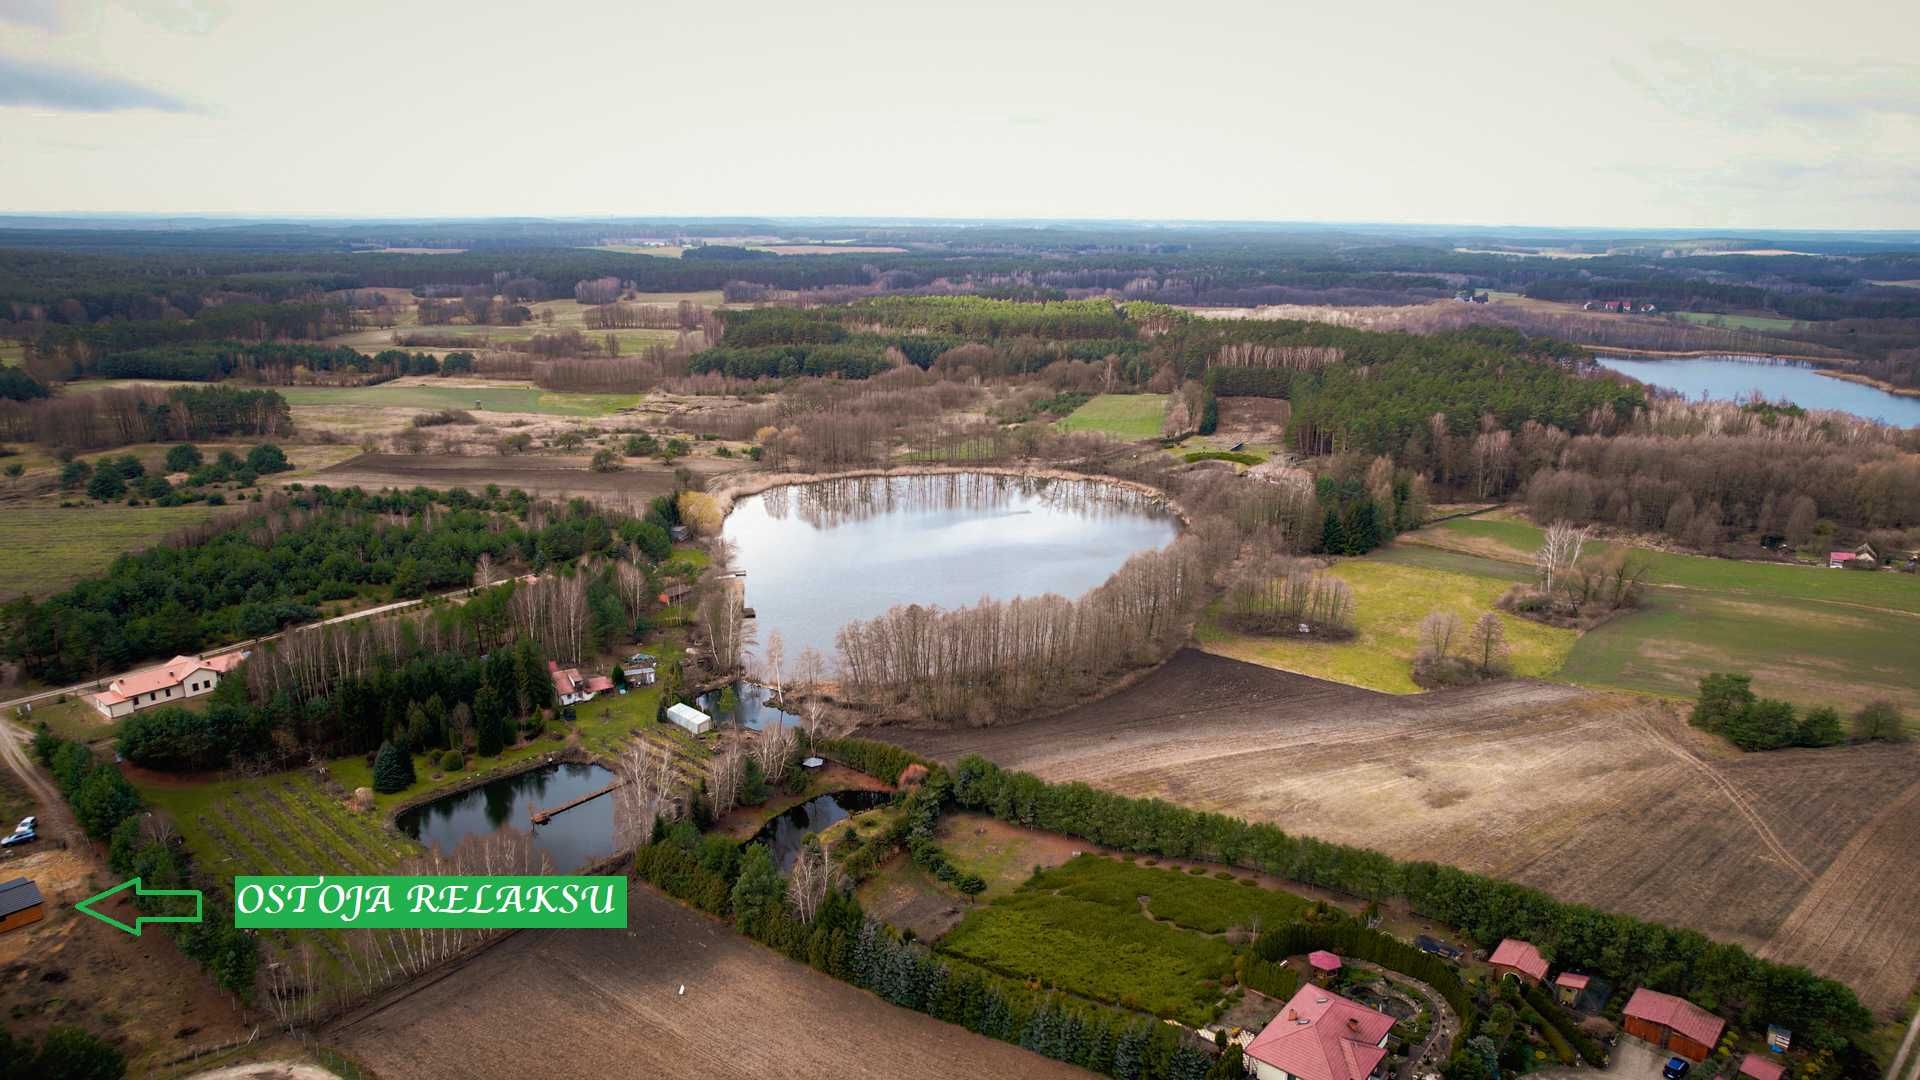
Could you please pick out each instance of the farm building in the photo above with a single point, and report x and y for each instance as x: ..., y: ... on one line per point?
x: 1761, y: 1067
x: 1320, y: 1036
x: 692, y: 719
x: 1672, y: 1023
x: 176, y: 680
x: 641, y: 669
x: 1520, y: 960
x: 572, y: 688
x: 20, y: 905
x: 1839, y: 559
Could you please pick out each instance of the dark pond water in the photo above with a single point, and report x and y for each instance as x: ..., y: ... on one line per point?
x: 1731, y: 378
x: 750, y: 710
x: 787, y: 834
x: 572, y: 839
x: 818, y: 556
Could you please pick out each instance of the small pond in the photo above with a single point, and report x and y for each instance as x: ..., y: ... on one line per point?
x: 1730, y: 378
x: 750, y: 710
x: 572, y: 840
x: 787, y: 834
x: 820, y: 555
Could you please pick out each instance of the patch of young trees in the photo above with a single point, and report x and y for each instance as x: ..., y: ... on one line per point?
x: 122, y: 416
x: 1727, y: 706
x: 1453, y: 654
x: 1284, y: 596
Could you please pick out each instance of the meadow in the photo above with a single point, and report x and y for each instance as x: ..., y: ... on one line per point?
x: 1807, y: 634
x: 1736, y: 322
x: 49, y: 549
x: 1394, y: 589
x: 1126, y: 416
x: 512, y: 399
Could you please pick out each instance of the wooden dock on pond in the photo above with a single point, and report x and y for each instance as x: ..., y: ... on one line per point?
x: 541, y: 817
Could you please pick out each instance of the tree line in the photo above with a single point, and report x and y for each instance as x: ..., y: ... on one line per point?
x: 1727, y: 706
x: 121, y: 417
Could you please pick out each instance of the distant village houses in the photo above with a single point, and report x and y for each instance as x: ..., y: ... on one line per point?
x: 1620, y: 307
x: 175, y: 681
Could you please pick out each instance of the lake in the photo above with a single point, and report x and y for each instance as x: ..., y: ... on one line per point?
x: 573, y: 839
x: 787, y: 834
x: 1729, y: 378
x: 818, y: 556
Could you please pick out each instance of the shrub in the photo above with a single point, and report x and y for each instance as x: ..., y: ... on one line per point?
x: 452, y: 761
x: 184, y: 457
x: 1879, y: 720
x: 1224, y: 455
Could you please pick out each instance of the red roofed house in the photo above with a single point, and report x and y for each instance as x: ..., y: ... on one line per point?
x: 1520, y: 960
x: 1761, y: 1067
x: 176, y: 680
x: 1673, y: 1023
x: 1320, y: 1036
x: 1570, y: 987
x: 574, y: 688
x: 1838, y: 559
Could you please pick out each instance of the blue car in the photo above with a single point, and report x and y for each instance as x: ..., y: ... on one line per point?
x: 1677, y: 1069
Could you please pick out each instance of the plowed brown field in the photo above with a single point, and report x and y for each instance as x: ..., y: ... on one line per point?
x: 597, y: 1003
x: 1810, y: 856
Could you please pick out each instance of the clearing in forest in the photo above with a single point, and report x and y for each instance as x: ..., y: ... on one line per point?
x: 1126, y: 416
x: 1594, y: 798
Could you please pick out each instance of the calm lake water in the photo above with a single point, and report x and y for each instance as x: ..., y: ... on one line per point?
x: 750, y: 711
x: 1727, y: 378
x: 787, y: 834
x: 818, y: 556
x: 572, y: 839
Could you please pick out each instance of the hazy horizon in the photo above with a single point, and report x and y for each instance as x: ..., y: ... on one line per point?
x: 1711, y: 116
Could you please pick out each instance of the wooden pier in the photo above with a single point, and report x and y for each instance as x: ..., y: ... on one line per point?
x: 541, y: 817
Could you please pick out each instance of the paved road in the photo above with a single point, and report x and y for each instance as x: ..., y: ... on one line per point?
x: 457, y: 596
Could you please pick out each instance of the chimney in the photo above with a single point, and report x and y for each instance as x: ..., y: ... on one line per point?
x: 1353, y: 1023
x: 1292, y: 1014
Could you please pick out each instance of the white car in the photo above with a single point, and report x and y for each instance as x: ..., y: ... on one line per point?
x: 20, y: 836
x: 27, y: 824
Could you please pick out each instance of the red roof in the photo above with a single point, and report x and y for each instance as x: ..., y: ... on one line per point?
x: 1324, y: 960
x: 1679, y: 1014
x: 1571, y: 981
x: 1841, y: 556
x: 172, y: 673
x: 1760, y: 1067
x: 570, y: 681
x: 1323, y: 1036
x: 1521, y: 956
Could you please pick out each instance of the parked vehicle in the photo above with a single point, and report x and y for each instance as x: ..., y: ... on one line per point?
x: 27, y: 824
x: 20, y: 836
x: 1677, y: 1069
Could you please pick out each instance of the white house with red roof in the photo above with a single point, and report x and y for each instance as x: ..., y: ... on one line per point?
x: 573, y: 687
x: 175, y: 681
x: 1320, y: 1036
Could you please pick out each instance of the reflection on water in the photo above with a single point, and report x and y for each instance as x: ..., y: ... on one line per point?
x: 751, y: 709
x: 818, y: 556
x: 1734, y: 378
x: 572, y: 839
x: 787, y: 834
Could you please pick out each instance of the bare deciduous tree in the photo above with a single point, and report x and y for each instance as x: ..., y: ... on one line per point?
x: 1438, y: 633
x: 813, y: 877
x: 1487, y: 644
x: 1560, y: 549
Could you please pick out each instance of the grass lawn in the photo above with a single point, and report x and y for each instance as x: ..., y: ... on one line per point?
x: 1736, y: 322
x: 516, y: 399
x: 1078, y: 928
x: 1128, y: 416
x: 285, y: 823
x: 1807, y: 634
x: 1394, y: 589
x: 49, y: 549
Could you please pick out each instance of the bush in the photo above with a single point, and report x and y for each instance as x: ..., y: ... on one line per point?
x: 452, y: 761
x: 1224, y: 455
x: 67, y: 1053
x: 1879, y: 720
x: 267, y: 458
x: 392, y: 769
x: 184, y: 457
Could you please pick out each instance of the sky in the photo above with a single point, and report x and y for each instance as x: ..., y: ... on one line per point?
x: 1704, y: 113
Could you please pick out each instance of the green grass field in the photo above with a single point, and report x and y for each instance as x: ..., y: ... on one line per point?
x: 1736, y: 322
x: 1081, y: 927
x: 1807, y: 634
x: 48, y: 550
x: 1394, y: 589
x: 518, y: 399
x: 1127, y: 416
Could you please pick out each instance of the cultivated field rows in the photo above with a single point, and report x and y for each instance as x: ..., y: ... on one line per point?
x: 1597, y: 798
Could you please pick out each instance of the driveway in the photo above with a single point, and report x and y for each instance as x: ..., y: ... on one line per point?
x: 1631, y: 1059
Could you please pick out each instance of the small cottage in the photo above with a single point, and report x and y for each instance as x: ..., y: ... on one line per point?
x: 1568, y: 987
x: 1321, y: 1036
x: 1520, y: 960
x: 695, y: 721
x: 170, y: 683
x: 572, y: 688
x: 20, y: 905
x: 640, y: 669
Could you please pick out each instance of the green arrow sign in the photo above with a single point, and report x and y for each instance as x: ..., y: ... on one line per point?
x: 85, y: 907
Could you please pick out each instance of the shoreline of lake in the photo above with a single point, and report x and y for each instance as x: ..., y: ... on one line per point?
x: 1732, y: 376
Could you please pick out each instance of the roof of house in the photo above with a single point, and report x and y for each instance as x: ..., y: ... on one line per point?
x: 18, y: 895
x: 685, y: 712
x: 1679, y: 1014
x: 1521, y: 956
x: 1761, y: 1067
x: 597, y: 684
x: 570, y: 681
x: 1571, y: 981
x: 1841, y: 556
x: 1323, y: 1036
x: 172, y: 673
x: 1324, y: 960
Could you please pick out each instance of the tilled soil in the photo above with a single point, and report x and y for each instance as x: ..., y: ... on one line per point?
x: 1602, y: 799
